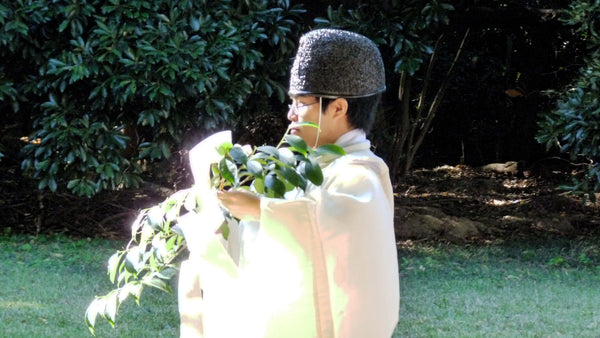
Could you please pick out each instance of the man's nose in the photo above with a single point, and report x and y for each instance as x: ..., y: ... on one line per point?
x: 291, y: 115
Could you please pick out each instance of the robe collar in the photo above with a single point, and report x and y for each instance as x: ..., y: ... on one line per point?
x: 353, y: 141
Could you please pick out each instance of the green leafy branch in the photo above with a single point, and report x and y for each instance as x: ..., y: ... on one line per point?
x: 152, y: 256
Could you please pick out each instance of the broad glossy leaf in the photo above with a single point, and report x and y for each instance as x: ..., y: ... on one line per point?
x: 92, y: 312
x: 224, y: 170
x: 132, y: 260
x: 255, y: 168
x: 312, y: 171
x: 224, y: 148
x: 260, y: 156
x: 192, y: 202
x: 296, y: 143
x: 111, y: 307
x: 238, y: 154
x: 167, y: 273
x: 259, y: 185
x: 158, y: 283
x: 113, y: 265
x: 273, y: 183
x: 160, y: 247
x: 330, y: 149
x: 172, y: 214
x: 287, y: 156
x: 156, y: 218
x: 73, y: 183
x: 194, y: 23
x: 52, y: 184
x: 133, y: 290
x: 224, y: 230
x: 177, y: 229
x: 308, y: 124
x: 270, y: 150
x: 293, y: 177
x: 171, y: 245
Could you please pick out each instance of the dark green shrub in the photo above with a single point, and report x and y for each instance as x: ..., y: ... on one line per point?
x: 574, y: 126
x: 108, y: 83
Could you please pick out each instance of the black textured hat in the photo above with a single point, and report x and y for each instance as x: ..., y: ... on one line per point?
x: 337, y: 63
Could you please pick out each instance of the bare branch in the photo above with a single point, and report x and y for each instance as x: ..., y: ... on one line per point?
x: 435, y: 104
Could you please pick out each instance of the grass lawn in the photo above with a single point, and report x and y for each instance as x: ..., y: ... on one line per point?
x: 46, y: 285
x: 543, y: 288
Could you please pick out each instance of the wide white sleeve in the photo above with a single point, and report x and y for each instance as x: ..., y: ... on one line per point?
x: 208, y: 280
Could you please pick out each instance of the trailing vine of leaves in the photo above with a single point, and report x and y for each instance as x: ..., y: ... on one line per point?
x: 153, y: 254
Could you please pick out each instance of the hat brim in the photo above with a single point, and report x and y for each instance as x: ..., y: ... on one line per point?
x: 330, y: 95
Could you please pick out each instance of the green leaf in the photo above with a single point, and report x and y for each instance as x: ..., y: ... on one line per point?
x: 194, y: 24
x: 287, y: 157
x: 224, y: 230
x: 330, y: 149
x: 111, y: 307
x: 165, y: 150
x: 310, y: 168
x: 73, y: 183
x: 158, y: 283
x: 156, y: 218
x: 164, y: 18
x: 167, y: 273
x: 129, y: 289
x: 52, y: 184
x: 113, y: 266
x: 192, y: 202
x: 92, y: 312
x: 238, y: 154
x: 43, y: 183
x: 293, y: 177
x: 269, y: 150
x: 225, y: 171
x: 255, y: 168
x: 132, y: 260
x: 308, y: 124
x: 275, y: 185
x: 177, y: 230
x: 224, y: 148
x: 259, y: 185
x: 120, y: 140
x: 296, y: 143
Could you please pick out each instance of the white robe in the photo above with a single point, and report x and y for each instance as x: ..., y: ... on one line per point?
x: 322, y: 263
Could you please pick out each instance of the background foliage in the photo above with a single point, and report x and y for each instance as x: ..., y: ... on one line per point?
x: 109, y: 92
x: 104, y: 84
x: 574, y: 126
x: 514, y: 56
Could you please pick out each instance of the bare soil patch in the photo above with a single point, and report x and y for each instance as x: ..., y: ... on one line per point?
x: 458, y: 204
x: 464, y: 204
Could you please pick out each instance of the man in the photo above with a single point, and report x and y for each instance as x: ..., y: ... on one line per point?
x: 321, y: 263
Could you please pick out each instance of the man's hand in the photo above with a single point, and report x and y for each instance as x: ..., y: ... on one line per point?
x: 241, y: 204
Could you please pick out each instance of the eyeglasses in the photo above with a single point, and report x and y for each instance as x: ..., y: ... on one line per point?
x: 294, y: 107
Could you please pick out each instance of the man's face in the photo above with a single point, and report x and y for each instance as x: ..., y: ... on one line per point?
x: 306, y: 109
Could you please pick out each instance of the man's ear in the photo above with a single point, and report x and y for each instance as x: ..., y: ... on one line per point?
x: 339, y: 107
